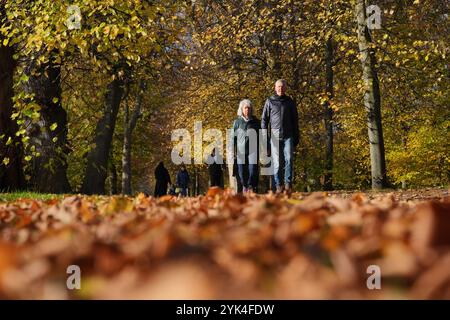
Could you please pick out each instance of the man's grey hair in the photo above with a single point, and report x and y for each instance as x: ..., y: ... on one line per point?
x: 282, y: 81
x: 245, y: 102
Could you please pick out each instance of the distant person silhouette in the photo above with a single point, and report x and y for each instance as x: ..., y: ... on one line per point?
x: 162, y: 180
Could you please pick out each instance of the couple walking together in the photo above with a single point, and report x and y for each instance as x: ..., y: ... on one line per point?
x: 279, y: 115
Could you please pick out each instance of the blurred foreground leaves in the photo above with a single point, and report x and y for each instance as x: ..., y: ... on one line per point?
x: 221, y: 245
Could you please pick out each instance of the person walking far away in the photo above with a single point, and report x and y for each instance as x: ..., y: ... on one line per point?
x: 280, y: 114
x: 215, y: 171
x: 183, y: 181
x: 162, y: 180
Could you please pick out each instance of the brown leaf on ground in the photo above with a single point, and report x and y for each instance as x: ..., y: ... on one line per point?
x: 432, y: 225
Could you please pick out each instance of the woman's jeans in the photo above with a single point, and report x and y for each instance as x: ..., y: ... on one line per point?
x: 247, y: 164
x: 248, y: 175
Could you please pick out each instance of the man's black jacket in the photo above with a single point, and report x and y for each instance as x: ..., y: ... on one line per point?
x: 280, y: 112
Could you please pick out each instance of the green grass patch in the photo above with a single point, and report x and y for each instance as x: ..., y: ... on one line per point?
x: 13, y: 196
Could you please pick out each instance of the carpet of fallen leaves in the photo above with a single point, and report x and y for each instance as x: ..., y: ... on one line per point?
x: 226, y: 246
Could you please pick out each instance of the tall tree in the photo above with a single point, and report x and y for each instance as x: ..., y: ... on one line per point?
x: 48, y: 135
x: 112, y: 174
x: 129, y: 125
x: 97, y: 159
x: 328, y: 110
x: 11, y: 174
x: 372, y: 98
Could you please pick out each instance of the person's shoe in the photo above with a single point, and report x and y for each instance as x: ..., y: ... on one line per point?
x: 288, y: 189
x: 250, y: 190
x: 279, y: 189
x: 244, y: 190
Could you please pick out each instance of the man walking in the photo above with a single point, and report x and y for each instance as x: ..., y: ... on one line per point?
x: 280, y: 116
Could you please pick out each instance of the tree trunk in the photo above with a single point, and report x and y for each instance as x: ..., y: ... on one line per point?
x: 129, y: 125
x: 113, y: 174
x: 372, y: 99
x: 328, y: 181
x: 97, y: 160
x: 49, y: 169
x: 272, y: 40
x: 11, y: 174
x: 196, y: 183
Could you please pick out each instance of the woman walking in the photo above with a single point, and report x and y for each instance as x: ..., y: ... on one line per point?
x: 246, y: 129
x: 162, y: 180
